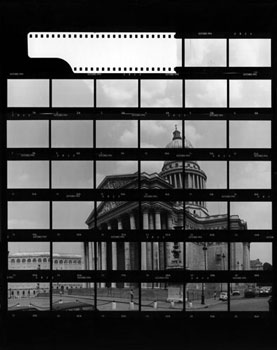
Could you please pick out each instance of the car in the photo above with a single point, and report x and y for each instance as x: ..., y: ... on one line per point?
x: 223, y: 296
x: 235, y: 292
x: 250, y: 293
x: 265, y: 291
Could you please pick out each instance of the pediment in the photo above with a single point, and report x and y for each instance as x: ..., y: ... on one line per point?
x: 115, y: 182
x: 106, y: 207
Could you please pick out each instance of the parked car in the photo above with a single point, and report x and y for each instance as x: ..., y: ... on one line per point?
x: 265, y: 291
x: 249, y: 293
x: 235, y: 292
x: 223, y: 296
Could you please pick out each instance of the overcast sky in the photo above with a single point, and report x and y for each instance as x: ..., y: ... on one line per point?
x: 250, y: 174
x: 158, y: 133
x: 161, y: 93
x: 27, y: 133
x: 250, y: 134
x: 250, y: 93
x: 258, y: 215
x: 35, y: 174
x: 72, y: 133
x: 116, y: 133
x: 35, y: 215
x: 206, y: 93
x: 117, y: 93
x: 250, y: 52
x: 73, y: 93
x: 201, y: 133
x: 28, y: 93
x: 205, y: 52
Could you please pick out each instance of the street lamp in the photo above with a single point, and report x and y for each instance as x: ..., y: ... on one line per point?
x: 223, y: 261
x: 205, y: 248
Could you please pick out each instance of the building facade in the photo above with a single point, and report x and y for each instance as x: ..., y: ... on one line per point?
x: 41, y: 261
x: 158, y: 215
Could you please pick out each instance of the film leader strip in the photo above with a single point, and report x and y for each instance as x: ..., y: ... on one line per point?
x: 165, y: 51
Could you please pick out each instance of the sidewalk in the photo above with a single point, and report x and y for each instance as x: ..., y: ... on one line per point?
x: 196, y: 304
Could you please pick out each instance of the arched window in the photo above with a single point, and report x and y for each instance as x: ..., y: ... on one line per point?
x: 79, y: 262
x: 70, y: 261
x: 12, y: 261
x: 39, y: 260
x: 61, y: 261
x: 18, y: 260
x: 56, y: 261
x: 34, y: 260
x: 23, y: 260
x: 29, y: 260
x: 44, y: 260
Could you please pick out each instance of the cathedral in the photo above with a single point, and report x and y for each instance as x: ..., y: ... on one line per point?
x: 159, y: 215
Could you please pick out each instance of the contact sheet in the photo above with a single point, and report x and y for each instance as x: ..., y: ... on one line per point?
x: 141, y: 186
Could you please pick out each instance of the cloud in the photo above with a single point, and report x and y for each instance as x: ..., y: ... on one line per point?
x: 250, y: 93
x: 158, y: 133
x: 206, y: 93
x: 192, y: 134
x: 129, y: 136
x: 161, y: 93
x: 117, y: 93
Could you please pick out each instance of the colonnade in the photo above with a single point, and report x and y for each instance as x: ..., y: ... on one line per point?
x: 124, y: 255
x: 194, y: 181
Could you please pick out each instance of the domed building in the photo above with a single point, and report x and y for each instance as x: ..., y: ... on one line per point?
x: 157, y: 215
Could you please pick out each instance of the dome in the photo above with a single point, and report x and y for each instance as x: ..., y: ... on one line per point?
x: 176, y: 141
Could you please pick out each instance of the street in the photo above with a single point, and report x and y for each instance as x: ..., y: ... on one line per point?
x: 123, y: 304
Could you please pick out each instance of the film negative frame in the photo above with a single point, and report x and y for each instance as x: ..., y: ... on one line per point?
x: 93, y: 154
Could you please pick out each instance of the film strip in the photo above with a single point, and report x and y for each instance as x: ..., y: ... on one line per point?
x: 159, y: 274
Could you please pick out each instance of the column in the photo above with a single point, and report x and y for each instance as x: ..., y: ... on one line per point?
x: 158, y: 226
x: 193, y: 181
x: 114, y: 256
x: 145, y: 220
x: 92, y: 262
x: 176, y: 180
x: 86, y: 256
x: 104, y: 255
x: 143, y: 246
x: 169, y: 222
x: 130, y: 257
x: 149, y: 245
x: 181, y: 180
x: 189, y: 180
x: 245, y: 256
